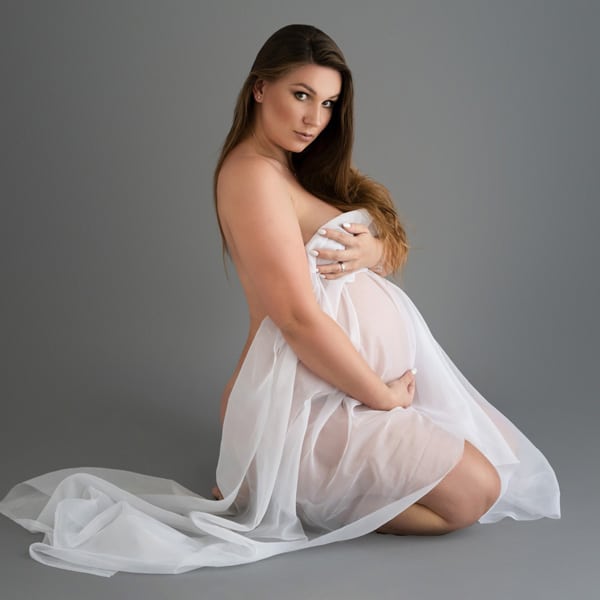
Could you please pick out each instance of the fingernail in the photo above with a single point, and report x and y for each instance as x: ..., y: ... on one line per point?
x: 321, y: 232
x: 314, y: 253
x: 317, y: 270
x: 414, y: 370
x: 346, y: 225
x: 322, y: 275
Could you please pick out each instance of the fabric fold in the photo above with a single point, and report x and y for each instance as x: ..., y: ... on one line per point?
x: 301, y: 464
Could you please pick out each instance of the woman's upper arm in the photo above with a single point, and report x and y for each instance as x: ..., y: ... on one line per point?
x: 255, y: 207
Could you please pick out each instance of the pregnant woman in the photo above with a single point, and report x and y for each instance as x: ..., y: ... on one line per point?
x: 343, y: 416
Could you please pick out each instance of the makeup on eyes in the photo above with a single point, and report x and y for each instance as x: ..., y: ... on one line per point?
x: 333, y: 98
x: 332, y: 102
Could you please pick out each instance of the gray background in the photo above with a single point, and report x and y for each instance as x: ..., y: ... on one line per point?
x: 119, y: 328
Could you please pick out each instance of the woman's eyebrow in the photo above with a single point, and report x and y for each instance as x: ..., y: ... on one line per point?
x: 313, y: 91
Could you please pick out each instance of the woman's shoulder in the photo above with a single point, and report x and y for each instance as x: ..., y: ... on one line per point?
x: 242, y: 161
x: 247, y: 175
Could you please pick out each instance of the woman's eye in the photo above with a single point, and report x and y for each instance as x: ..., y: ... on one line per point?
x: 327, y: 103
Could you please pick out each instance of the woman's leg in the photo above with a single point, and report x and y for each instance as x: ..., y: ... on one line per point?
x: 459, y: 500
x: 416, y: 520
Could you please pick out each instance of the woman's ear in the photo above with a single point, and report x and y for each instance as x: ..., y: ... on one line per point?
x: 258, y: 90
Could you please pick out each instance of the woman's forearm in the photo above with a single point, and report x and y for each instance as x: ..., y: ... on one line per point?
x: 323, y: 346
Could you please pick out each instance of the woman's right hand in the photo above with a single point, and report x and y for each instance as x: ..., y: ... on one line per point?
x: 403, y: 389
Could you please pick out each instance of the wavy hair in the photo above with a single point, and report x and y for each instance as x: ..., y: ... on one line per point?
x: 324, y: 168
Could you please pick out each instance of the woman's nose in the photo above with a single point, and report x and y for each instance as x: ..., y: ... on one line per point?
x: 313, y: 116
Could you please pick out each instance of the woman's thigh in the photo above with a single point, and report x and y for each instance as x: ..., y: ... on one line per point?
x: 467, y: 491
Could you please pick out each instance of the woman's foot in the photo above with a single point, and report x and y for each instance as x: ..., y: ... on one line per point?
x: 216, y: 492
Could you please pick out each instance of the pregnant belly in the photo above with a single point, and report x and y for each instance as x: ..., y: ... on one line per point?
x: 386, y: 333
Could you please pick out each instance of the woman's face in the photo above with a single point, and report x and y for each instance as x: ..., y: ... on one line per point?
x: 300, y: 102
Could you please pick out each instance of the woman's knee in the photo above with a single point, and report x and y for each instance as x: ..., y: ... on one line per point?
x: 492, y: 487
x: 489, y: 480
x: 467, y: 492
x: 479, y: 486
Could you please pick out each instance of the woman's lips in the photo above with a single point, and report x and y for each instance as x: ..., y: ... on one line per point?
x: 304, y: 136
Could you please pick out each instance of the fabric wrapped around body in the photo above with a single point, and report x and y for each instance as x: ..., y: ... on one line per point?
x: 301, y: 464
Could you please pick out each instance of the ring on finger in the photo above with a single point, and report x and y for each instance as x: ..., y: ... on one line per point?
x: 342, y: 266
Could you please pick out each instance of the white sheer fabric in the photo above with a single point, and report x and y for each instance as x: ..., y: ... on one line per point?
x: 301, y: 464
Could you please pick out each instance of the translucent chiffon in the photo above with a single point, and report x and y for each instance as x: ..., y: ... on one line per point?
x: 301, y: 464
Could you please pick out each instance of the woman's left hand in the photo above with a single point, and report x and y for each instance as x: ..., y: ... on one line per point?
x: 361, y: 250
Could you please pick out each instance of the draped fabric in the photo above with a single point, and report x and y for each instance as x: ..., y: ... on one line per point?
x: 301, y: 464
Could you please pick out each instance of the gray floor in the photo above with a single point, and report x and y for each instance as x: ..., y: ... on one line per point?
x: 547, y: 559
x: 507, y: 560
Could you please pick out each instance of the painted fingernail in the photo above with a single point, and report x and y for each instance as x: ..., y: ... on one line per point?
x: 346, y: 225
x: 321, y: 232
x: 322, y: 275
x: 414, y: 370
x: 314, y: 253
x: 317, y: 270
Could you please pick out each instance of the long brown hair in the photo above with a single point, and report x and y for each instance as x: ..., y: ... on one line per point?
x: 324, y: 168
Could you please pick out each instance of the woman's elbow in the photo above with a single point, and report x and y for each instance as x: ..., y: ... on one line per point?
x: 298, y: 319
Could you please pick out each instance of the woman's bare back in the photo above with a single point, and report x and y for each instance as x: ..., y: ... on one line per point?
x: 311, y: 212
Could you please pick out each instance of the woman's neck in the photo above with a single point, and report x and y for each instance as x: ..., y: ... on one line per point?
x: 265, y: 148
